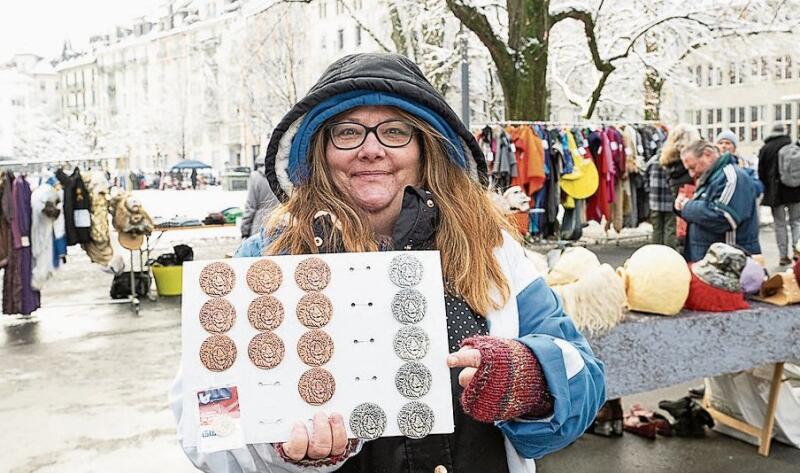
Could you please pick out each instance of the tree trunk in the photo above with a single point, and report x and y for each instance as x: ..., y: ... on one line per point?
x: 525, y: 90
x: 653, y: 84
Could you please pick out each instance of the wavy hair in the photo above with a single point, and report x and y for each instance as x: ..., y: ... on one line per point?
x: 469, y: 226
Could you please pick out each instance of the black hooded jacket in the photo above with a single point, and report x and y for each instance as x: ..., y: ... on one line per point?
x: 775, y: 193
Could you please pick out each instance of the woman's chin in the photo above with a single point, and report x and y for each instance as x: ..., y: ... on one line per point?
x: 373, y: 202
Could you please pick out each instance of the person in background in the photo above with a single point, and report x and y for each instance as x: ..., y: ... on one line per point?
x: 723, y: 207
x: 670, y: 158
x: 660, y: 199
x: 260, y: 201
x: 727, y: 142
x: 193, y: 177
x: 783, y: 200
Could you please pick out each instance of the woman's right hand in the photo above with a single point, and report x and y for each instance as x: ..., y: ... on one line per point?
x: 328, y: 438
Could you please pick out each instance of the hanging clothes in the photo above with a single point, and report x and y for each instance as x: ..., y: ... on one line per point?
x: 44, y: 212
x: 505, y: 168
x: 59, y: 226
x: 19, y: 297
x: 77, y: 207
x: 529, y: 156
x: 12, y: 286
x: 99, y: 247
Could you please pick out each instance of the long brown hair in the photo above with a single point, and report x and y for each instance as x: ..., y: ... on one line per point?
x: 469, y: 225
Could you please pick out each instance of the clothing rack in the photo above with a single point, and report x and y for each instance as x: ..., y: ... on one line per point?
x: 568, y: 124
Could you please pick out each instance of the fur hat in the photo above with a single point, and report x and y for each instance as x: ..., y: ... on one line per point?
x: 595, y: 301
x: 679, y: 137
x: 573, y: 263
x: 656, y: 280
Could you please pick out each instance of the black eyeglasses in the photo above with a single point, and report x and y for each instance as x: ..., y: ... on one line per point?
x: 351, y: 135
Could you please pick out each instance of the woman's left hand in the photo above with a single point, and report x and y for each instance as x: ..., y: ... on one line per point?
x: 467, y: 358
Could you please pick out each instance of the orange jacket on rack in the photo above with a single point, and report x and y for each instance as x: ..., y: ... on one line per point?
x: 530, y: 159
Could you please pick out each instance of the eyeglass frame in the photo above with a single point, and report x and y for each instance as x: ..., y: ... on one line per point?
x: 370, y: 129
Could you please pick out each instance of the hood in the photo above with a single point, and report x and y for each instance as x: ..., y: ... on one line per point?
x: 357, y: 80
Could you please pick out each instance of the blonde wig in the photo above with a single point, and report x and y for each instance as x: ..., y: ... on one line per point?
x: 469, y: 224
x: 679, y: 137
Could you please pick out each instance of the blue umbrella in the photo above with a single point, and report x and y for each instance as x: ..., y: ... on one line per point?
x: 190, y: 164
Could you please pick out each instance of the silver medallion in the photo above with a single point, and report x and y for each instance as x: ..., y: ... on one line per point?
x: 415, y: 420
x: 405, y: 271
x: 411, y: 343
x: 368, y: 421
x: 408, y: 306
x: 413, y: 380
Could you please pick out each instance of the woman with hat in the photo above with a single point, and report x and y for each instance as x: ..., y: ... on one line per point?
x: 374, y: 159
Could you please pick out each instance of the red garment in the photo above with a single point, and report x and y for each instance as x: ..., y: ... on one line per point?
x: 597, y: 206
x: 703, y: 296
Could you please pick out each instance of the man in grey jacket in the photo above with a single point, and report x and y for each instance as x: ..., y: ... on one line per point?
x: 260, y: 200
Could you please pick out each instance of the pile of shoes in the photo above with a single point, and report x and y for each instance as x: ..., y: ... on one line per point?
x: 691, y: 419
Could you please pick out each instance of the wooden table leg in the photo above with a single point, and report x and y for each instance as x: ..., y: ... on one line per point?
x: 769, y: 422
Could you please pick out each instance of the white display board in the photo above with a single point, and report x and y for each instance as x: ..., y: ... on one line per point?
x: 363, y: 364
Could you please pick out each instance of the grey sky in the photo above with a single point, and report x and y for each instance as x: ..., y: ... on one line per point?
x: 40, y: 26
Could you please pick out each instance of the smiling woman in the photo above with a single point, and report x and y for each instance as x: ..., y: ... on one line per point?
x: 374, y: 159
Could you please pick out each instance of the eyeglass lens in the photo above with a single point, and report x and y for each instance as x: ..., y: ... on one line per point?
x: 350, y: 135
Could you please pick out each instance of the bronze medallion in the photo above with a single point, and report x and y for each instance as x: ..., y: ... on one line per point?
x: 316, y: 386
x: 312, y: 274
x: 217, y: 279
x: 264, y: 277
x: 265, y: 313
x: 218, y: 352
x: 315, y: 348
x: 217, y: 315
x: 266, y: 350
x: 314, y: 310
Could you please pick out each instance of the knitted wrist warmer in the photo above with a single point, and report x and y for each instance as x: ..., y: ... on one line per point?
x: 509, y: 382
x: 352, y: 445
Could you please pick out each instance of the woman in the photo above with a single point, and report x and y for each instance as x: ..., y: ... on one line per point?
x: 374, y: 159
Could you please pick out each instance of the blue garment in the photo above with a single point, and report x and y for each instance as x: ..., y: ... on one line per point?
x: 298, y: 161
x: 723, y: 209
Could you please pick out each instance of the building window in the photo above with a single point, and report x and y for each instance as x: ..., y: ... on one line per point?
x: 787, y: 64
x: 340, y: 40
x: 358, y: 35
x: 710, y: 78
x: 710, y: 116
x: 323, y: 9
x: 339, y: 7
x: 698, y: 117
x: 698, y: 75
x: 778, y: 112
x: 732, y: 73
x: 256, y: 150
x: 710, y: 134
x: 764, y: 68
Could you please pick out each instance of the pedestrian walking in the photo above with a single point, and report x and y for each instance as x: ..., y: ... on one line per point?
x: 784, y: 201
x: 193, y: 178
x: 723, y: 207
x: 260, y: 203
x: 379, y: 161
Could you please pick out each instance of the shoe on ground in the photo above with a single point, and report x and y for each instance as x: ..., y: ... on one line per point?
x: 697, y: 392
x: 785, y: 261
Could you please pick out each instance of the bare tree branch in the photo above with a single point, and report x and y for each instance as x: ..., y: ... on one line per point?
x: 480, y: 25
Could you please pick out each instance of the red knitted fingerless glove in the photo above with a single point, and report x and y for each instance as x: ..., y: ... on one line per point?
x: 509, y: 382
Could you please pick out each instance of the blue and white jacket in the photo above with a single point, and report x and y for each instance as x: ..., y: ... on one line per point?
x: 723, y: 209
x: 533, y: 315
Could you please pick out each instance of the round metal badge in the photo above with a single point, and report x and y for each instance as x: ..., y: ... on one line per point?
x: 266, y: 350
x: 314, y: 310
x: 415, y: 420
x: 312, y: 274
x: 411, y: 343
x: 265, y: 313
x: 315, y: 348
x: 217, y: 279
x: 316, y: 386
x: 409, y: 306
x: 217, y: 315
x: 413, y: 380
x: 405, y: 271
x: 264, y: 277
x: 218, y: 352
x: 368, y: 421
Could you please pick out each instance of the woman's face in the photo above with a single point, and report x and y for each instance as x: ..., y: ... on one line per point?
x: 372, y: 174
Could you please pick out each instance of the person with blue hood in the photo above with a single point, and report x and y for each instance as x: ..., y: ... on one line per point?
x: 374, y: 159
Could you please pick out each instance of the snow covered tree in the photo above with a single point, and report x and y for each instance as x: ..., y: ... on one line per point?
x: 521, y: 36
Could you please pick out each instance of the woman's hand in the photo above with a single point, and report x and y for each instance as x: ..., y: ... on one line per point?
x: 467, y: 358
x: 328, y: 438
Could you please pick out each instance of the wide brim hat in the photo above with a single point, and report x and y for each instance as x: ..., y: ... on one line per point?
x: 130, y: 241
x: 356, y: 80
x: 583, y: 181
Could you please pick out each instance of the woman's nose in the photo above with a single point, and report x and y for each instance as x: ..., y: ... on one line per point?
x: 371, y: 148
